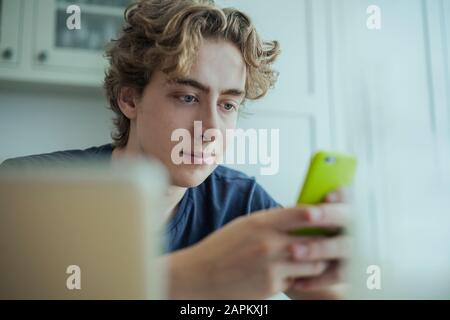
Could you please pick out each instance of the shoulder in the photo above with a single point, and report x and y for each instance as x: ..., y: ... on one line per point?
x: 65, y: 157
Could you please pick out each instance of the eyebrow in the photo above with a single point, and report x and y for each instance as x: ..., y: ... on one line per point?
x: 196, y: 84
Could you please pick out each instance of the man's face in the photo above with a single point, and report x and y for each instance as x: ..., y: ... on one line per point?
x: 212, y: 93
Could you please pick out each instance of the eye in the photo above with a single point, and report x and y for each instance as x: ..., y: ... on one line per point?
x: 188, y: 98
x: 229, y: 107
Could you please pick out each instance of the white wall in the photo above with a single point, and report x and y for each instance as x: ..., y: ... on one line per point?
x: 44, y: 119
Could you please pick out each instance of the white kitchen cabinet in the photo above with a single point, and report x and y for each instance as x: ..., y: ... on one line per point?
x: 10, y: 13
x: 77, y: 48
x: 51, y: 53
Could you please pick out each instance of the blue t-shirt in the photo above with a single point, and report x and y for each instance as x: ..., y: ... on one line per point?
x: 224, y: 195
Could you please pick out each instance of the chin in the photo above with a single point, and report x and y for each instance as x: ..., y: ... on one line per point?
x: 188, y: 175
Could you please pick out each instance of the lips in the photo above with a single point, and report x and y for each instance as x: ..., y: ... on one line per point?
x: 198, y: 157
x: 202, y: 155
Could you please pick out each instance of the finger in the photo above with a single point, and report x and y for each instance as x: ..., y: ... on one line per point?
x: 331, y: 214
x: 321, y: 249
x: 287, y: 219
x: 332, y: 276
x: 334, y: 196
x: 301, y: 269
x: 282, y: 246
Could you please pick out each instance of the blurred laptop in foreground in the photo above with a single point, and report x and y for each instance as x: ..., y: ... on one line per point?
x: 91, y: 232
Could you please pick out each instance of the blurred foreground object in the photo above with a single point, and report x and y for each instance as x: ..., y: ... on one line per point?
x: 99, y: 223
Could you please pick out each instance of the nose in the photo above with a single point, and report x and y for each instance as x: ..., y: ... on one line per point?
x: 209, y: 118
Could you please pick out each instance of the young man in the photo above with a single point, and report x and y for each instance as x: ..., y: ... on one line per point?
x: 180, y: 61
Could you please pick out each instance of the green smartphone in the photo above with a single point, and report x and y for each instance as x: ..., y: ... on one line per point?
x: 328, y: 171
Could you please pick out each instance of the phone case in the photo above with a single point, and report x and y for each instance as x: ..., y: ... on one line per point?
x: 327, y: 172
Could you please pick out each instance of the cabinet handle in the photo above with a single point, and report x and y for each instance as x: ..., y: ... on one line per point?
x: 7, y: 54
x: 42, y: 56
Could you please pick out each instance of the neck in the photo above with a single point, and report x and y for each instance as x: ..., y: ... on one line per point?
x: 173, y: 194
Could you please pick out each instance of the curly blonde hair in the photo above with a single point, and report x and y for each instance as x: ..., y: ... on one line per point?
x: 165, y: 35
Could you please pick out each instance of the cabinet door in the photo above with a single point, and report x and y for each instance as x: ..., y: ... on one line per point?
x: 57, y: 45
x: 10, y: 14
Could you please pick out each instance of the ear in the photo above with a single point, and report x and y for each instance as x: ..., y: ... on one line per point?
x: 127, y: 102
